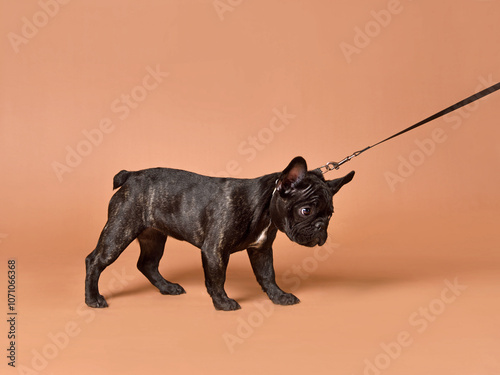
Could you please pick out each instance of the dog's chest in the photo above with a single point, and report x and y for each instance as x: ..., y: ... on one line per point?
x: 261, y: 238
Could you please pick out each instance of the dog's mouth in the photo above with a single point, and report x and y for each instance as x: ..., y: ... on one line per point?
x: 318, y: 239
x: 321, y: 241
x: 310, y: 235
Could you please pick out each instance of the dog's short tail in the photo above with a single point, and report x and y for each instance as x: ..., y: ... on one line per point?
x: 120, y: 178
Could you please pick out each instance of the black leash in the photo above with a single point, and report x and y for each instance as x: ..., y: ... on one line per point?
x: 335, y: 165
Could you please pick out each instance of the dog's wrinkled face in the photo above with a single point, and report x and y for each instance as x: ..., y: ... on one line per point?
x: 302, y: 204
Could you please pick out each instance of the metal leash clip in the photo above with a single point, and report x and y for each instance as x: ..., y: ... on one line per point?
x: 330, y: 166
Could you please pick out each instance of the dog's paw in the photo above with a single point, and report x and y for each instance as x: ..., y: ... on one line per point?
x: 285, y: 299
x: 98, y: 302
x: 227, y: 305
x: 172, y: 289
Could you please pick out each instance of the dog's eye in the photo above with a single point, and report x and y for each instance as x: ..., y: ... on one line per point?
x: 305, y: 211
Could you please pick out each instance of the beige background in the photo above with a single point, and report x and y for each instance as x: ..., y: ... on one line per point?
x: 408, y: 281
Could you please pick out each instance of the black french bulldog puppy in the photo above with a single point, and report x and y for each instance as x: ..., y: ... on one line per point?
x: 218, y: 215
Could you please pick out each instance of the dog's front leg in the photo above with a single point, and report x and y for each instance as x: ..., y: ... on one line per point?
x: 215, y: 264
x: 262, y: 265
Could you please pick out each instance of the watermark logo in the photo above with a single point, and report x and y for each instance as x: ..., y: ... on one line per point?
x: 255, y: 143
x: 223, y: 6
x: 31, y: 26
x: 247, y: 326
x: 122, y: 107
x: 57, y: 341
x: 363, y: 36
x: 426, y: 147
x: 419, y: 320
x: 407, y: 165
x: 295, y: 275
x: 292, y: 278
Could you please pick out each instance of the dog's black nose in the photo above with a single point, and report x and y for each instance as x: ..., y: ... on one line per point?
x: 320, y: 225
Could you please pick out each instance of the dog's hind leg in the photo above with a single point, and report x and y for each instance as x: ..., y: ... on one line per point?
x: 122, y: 227
x: 152, y: 244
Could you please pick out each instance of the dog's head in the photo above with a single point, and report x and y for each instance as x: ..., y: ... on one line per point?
x: 301, y: 205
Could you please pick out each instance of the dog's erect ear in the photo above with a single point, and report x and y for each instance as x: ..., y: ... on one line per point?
x: 292, y: 175
x: 336, y: 184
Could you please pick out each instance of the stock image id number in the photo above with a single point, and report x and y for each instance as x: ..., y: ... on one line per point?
x: 11, y: 293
